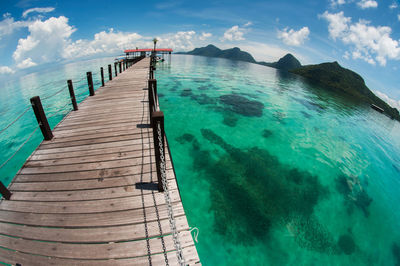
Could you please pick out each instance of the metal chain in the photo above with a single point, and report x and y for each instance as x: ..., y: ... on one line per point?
x: 160, y: 229
x: 175, y: 236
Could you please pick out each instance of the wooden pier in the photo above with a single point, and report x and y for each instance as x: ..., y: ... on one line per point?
x: 90, y: 195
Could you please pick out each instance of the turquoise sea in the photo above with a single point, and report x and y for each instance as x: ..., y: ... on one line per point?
x: 272, y: 170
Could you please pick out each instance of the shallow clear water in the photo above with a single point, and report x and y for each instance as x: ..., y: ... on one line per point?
x: 272, y: 170
x: 15, y: 97
x: 275, y: 171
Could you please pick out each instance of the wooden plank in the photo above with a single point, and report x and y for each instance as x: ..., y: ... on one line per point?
x: 85, y: 167
x: 94, y: 141
x: 91, y: 194
x: 91, y: 159
x: 94, y: 251
x: 89, y: 206
x: 101, y: 182
x: 93, y: 146
x: 89, y: 219
x: 92, y: 235
x: 12, y: 257
x: 89, y: 153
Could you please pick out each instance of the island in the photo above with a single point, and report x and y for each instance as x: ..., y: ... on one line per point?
x: 332, y: 76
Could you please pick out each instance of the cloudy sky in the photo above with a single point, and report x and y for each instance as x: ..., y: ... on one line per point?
x: 363, y: 35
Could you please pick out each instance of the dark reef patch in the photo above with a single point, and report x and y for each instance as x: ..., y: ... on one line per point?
x: 242, y: 105
x: 203, y: 99
x: 203, y: 88
x: 185, y: 138
x: 310, y: 105
x: 267, y: 133
x: 306, y: 115
x: 279, y: 116
x: 353, y: 193
x: 251, y: 191
x: 186, y: 92
x: 396, y: 253
x: 346, y: 244
x: 160, y: 95
x: 230, y: 120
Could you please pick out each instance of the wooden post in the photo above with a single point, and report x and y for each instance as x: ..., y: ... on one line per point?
x: 102, y: 76
x: 109, y: 72
x: 152, y: 87
x: 158, y: 119
x: 119, y: 65
x: 72, y: 95
x: 41, y: 118
x: 123, y: 65
x: 90, y: 83
x: 4, y: 191
x: 115, y: 68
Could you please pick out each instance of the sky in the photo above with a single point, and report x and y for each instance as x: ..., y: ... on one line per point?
x: 362, y: 35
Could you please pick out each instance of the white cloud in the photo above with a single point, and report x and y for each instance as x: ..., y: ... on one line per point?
x: 292, y: 37
x: 46, y: 42
x: 8, y: 25
x: 181, y: 40
x: 368, y: 42
x: 103, y: 43
x: 38, y: 10
x: 249, y: 23
x: 393, y: 5
x: 234, y: 34
x: 335, y: 3
x: 398, y: 17
x: 205, y: 36
x: 266, y: 52
x: 363, y: 4
x: 26, y: 63
x: 338, y: 23
x: 392, y: 102
x: 6, y: 70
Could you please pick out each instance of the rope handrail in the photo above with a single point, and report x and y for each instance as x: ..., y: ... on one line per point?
x: 60, y: 110
x: 19, y: 148
x: 54, y: 94
x: 15, y: 120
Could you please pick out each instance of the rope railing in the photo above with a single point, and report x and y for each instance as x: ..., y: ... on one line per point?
x: 15, y: 120
x: 19, y: 148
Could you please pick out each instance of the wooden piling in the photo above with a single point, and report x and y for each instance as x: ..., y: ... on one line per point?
x: 4, y: 191
x: 41, y: 118
x: 115, y: 68
x: 109, y: 72
x: 72, y: 95
x: 158, y: 120
x: 102, y: 76
x: 152, y: 95
x: 90, y: 83
x: 119, y: 65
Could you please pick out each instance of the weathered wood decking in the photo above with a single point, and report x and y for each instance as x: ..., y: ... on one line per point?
x: 89, y: 196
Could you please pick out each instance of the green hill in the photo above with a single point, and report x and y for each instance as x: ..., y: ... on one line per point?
x: 287, y: 62
x: 213, y: 51
x: 334, y: 77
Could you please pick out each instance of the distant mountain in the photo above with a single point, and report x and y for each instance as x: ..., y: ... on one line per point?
x: 287, y: 62
x: 333, y: 76
x: 213, y: 51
